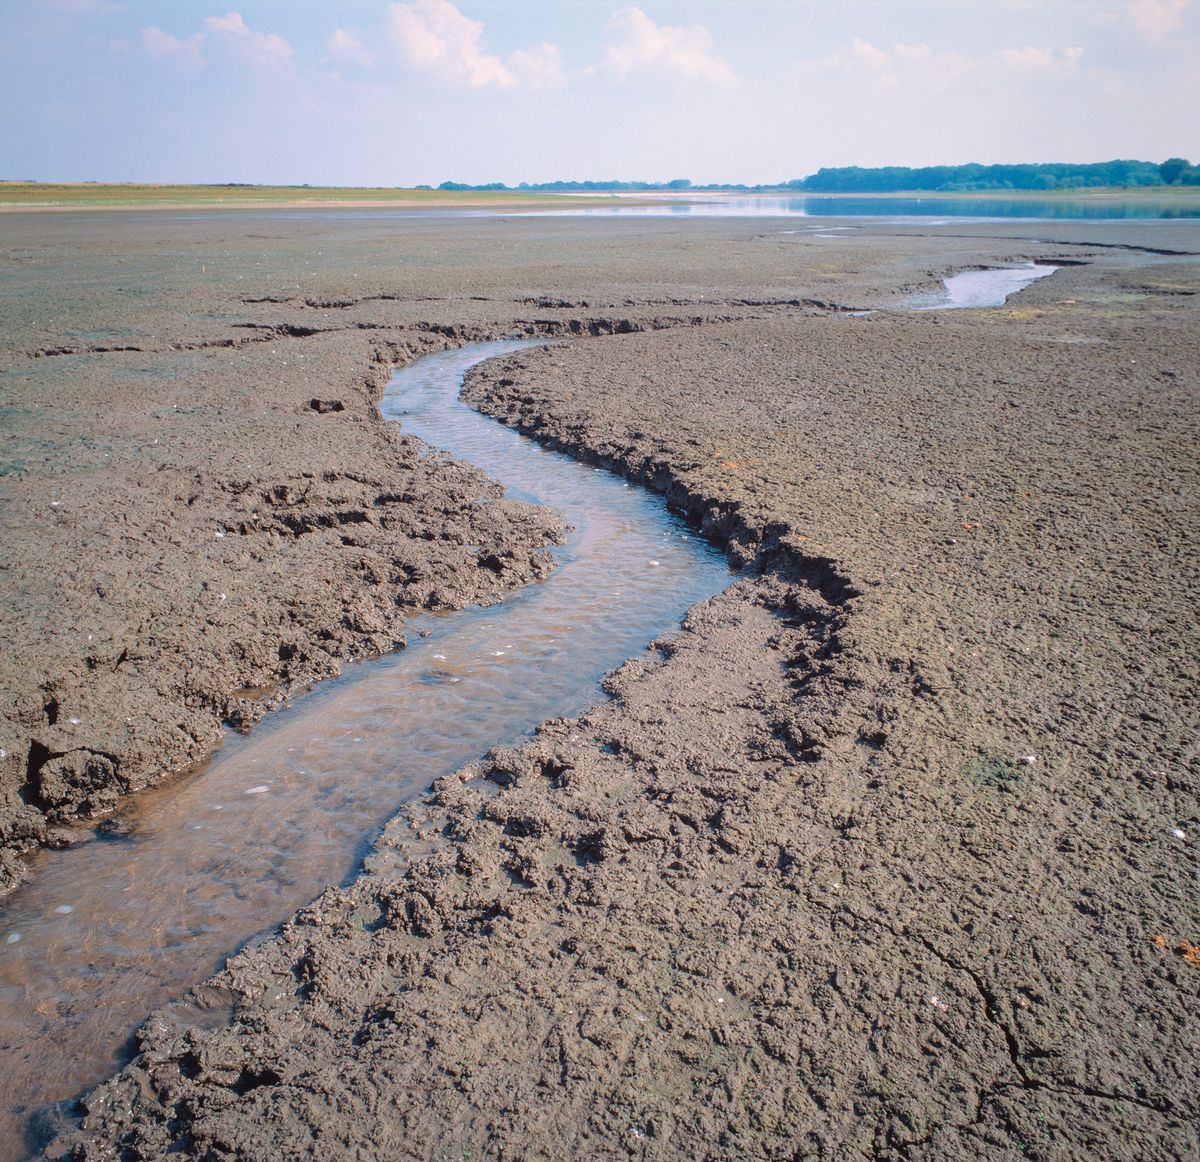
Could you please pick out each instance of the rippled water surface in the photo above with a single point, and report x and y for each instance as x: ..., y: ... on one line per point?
x: 118, y: 925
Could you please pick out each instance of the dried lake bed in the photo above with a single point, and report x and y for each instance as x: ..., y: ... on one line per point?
x: 891, y: 850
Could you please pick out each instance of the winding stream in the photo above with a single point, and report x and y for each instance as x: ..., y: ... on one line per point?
x: 124, y: 922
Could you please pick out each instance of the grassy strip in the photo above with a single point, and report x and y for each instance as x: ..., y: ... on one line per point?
x: 46, y: 195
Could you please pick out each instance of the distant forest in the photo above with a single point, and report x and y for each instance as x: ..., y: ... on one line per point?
x: 955, y: 179
x: 943, y: 179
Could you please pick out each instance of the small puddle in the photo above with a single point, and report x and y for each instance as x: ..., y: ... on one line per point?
x: 109, y: 930
x: 983, y: 288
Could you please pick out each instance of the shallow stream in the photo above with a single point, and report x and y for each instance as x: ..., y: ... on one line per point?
x: 125, y: 921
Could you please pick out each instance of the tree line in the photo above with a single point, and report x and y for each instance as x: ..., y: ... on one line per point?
x: 953, y: 179
x: 943, y: 179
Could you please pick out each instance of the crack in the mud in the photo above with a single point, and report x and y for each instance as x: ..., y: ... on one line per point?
x: 593, y: 325
x: 1011, y: 1044
x: 266, y: 333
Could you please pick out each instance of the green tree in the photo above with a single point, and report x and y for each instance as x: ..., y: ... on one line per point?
x: 1173, y: 169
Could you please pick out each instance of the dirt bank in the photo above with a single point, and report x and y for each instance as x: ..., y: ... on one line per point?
x: 891, y: 853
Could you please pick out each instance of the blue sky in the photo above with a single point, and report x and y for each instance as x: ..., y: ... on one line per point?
x: 364, y: 92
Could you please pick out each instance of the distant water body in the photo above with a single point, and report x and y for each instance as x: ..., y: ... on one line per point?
x: 758, y: 206
x: 768, y: 206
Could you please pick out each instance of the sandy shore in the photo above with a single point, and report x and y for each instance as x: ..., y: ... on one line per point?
x: 890, y: 854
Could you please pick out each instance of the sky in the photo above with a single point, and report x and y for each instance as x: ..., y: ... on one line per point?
x: 366, y: 92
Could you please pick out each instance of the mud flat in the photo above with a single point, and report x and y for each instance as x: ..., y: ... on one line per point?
x: 890, y: 853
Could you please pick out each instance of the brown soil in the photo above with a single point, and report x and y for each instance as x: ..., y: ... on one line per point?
x: 890, y: 853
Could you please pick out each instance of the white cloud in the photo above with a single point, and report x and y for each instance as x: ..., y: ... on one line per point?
x: 900, y: 63
x: 344, y: 45
x: 1157, y: 20
x: 539, y: 67
x: 906, y: 64
x: 227, y: 33
x: 434, y: 35
x: 644, y: 45
x: 1063, y: 60
x: 867, y: 54
x: 258, y: 48
x: 164, y: 46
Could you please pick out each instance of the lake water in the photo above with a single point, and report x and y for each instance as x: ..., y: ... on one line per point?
x: 931, y: 210
x: 814, y: 206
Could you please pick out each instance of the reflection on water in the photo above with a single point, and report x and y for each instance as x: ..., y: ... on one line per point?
x: 109, y: 930
x: 815, y: 206
x: 983, y: 288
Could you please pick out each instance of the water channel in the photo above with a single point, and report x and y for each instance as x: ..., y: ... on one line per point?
x: 128, y: 919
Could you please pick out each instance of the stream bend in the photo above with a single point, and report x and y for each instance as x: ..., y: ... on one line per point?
x: 109, y: 930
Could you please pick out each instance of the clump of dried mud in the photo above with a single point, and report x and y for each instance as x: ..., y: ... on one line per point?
x: 890, y: 853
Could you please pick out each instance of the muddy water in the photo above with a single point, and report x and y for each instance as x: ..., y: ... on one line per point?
x: 111, y: 929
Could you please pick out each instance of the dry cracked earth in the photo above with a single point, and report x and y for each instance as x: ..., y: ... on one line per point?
x: 889, y: 853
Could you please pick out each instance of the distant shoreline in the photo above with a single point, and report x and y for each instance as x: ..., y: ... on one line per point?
x: 34, y: 196
x: 17, y: 197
